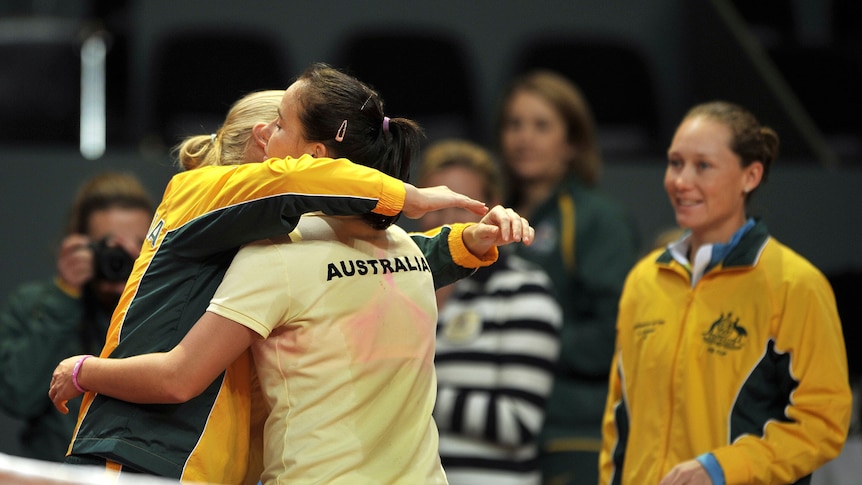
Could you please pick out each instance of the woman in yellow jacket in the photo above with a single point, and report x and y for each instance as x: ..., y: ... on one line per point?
x: 730, y: 363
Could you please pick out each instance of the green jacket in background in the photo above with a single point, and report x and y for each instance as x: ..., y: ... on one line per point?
x: 39, y: 326
x: 587, y: 243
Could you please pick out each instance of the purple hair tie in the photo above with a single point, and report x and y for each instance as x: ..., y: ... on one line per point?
x: 386, y: 124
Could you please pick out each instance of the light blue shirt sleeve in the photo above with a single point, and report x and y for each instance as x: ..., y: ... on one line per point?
x: 713, y: 468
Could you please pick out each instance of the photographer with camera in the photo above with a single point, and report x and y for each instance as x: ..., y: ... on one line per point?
x: 43, y: 322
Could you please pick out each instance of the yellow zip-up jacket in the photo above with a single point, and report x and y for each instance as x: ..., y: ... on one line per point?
x: 749, y: 364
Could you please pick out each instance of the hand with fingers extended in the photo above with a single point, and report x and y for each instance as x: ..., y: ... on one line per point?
x: 420, y: 201
x: 500, y: 226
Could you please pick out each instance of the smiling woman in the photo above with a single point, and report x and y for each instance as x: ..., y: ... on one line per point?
x: 715, y: 162
x: 745, y: 365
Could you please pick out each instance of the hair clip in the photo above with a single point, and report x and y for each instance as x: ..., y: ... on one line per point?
x: 212, y: 137
x: 339, y: 136
x: 366, y: 102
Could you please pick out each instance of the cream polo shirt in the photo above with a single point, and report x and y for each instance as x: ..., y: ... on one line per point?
x: 347, y: 364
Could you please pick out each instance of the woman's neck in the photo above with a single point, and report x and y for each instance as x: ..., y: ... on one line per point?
x: 698, y: 240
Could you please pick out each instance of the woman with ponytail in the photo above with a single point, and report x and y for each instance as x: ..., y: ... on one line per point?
x: 339, y: 314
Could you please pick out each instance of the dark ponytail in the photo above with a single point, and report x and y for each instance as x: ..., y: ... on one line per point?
x: 347, y: 116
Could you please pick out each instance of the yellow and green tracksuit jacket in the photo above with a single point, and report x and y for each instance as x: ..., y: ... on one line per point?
x: 204, y: 216
x: 749, y: 364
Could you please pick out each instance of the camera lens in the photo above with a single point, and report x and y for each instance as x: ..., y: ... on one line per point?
x: 111, y: 263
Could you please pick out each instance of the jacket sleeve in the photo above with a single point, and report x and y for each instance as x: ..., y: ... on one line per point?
x: 819, y: 411
x: 39, y: 325
x: 615, y: 419
x: 336, y: 186
x: 448, y: 257
x: 213, y: 209
x: 613, y: 449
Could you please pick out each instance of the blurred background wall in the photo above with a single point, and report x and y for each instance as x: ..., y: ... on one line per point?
x: 140, y: 74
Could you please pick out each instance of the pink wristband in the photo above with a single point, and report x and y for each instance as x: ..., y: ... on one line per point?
x: 77, y: 369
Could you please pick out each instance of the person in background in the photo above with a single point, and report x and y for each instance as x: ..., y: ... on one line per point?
x: 497, y: 340
x: 584, y: 240
x: 47, y: 320
x: 730, y: 365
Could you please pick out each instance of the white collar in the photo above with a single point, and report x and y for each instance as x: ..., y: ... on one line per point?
x: 679, y: 250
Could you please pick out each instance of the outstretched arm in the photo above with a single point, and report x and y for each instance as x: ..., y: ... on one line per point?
x: 166, y: 377
x: 417, y: 202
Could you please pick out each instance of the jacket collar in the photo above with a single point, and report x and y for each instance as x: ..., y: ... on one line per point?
x: 745, y: 253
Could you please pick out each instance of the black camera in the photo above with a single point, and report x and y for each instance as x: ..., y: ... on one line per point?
x: 111, y: 263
